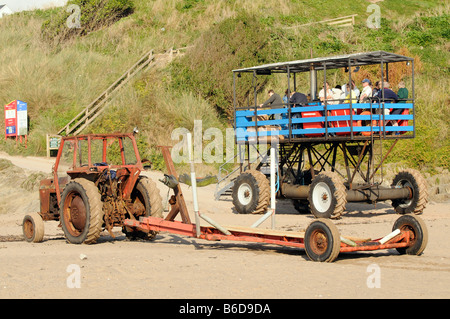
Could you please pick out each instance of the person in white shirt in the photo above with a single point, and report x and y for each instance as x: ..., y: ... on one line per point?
x: 366, y: 92
x: 337, y: 93
x: 329, y: 94
x: 346, y: 90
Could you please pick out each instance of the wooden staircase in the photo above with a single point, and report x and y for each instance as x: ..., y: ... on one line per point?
x: 96, y: 107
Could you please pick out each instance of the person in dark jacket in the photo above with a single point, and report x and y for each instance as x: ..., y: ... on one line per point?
x: 273, y: 100
x: 387, y: 94
x: 297, y: 99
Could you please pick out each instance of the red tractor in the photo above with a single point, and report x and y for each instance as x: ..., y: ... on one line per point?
x: 96, y: 185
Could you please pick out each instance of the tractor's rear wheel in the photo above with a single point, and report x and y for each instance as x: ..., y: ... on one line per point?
x: 33, y: 228
x: 414, y: 180
x: 327, y: 196
x: 81, y: 212
x: 146, y: 201
x: 251, y: 192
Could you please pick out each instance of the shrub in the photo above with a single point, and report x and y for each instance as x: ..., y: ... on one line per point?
x: 206, y: 68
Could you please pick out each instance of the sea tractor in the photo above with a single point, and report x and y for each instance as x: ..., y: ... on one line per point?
x: 330, y: 152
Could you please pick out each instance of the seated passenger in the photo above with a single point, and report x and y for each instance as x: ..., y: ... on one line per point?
x: 346, y: 89
x: 366, y: 92
x: 337, y: 92
x: 387, y: 94
x: 273, y: 100
x: 328, y: 96
x: 350, y: 95
x: 297, y: 99
x: 402, y: 92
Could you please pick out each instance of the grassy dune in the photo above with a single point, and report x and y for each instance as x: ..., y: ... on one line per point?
x: 59, y: 80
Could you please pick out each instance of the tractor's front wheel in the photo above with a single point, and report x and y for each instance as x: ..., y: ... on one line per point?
x: 146, y: 201
x: 81, y: 212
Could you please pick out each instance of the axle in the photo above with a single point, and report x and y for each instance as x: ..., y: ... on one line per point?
x: 375, y: 193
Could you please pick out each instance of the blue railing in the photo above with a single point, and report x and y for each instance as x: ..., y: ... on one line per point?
x: 358, y: 119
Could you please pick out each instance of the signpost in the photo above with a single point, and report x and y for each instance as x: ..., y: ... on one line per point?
x: 16, y: 120
x: 53, y: 142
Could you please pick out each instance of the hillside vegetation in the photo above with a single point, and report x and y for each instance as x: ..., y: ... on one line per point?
x: 58, y: 73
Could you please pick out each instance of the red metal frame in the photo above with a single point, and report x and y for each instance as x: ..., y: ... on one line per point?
x: 187, y: 228
x: 134, y: 169
x: 147, y: 224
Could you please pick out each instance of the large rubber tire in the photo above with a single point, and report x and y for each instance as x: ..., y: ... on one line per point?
x: 322, y: 241
x: 418, y: 234
x: 145, y: 193
x: 251, y: 192
x: 414, y: 180
x: 33, y: 228
x: 81, y: 212
x: 327, y: 196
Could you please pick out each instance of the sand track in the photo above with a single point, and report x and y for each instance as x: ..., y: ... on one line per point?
x: 181, y: 267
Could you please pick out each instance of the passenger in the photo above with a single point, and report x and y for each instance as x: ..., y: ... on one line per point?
x: 297, y: 99
x: 337, y: 92
x: 345, y: 89
x: 284, y: 115
x: 275, y: 101
x: 388, y: 95
x: 328, y: 96
x: 349, y: 95
x: 285, y: 97
x: 366, y: 93
x: 376, y: 90
x: 402, y: 92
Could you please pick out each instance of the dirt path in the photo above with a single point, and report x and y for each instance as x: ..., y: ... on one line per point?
x: 182, y: 267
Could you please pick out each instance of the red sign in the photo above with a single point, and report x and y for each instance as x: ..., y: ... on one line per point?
x: 11, y: 119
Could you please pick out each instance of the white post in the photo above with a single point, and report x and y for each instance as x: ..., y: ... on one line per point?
x: 272, y: 182
x: 194, y: 184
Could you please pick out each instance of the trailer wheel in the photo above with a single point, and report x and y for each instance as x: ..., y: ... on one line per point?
x: 322, y: 240
x: 418, y: 234
x: 146, y: 201
x: 251, y: 192
x: 81, y: 212
x: 327, y: 196
x: 414, y: 180
x: 33, y: 228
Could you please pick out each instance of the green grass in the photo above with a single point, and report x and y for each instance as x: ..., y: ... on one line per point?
x: 58, y: 80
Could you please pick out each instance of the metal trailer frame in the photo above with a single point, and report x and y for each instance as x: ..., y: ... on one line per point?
x: 360, y: 147
x: 321, y: 240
